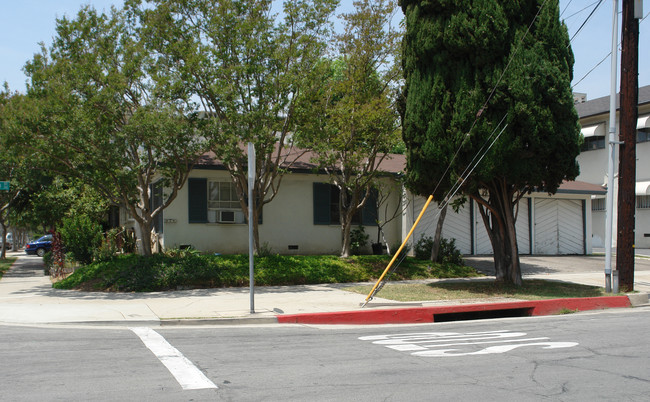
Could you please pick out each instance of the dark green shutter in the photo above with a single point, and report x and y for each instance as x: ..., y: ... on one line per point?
x: 321, y: 203
x: 197, y: 200
x: 369, y: 214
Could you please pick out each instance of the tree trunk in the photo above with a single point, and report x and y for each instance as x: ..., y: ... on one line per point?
x: 499, y: 219
x: 346, y: 228
x: 3, y: 253
x: 256, y: 229
x: 145, y: 236
x: 438, y: 236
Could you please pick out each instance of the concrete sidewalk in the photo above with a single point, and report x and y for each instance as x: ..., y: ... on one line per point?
x: 27, y: 297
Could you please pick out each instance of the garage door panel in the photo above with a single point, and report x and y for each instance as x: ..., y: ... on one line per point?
x: 457, y: 226
x: 559, y: 226
x: 483, y: 244
x: 546, y: 235
x: 570, y: 227
x: 428, y: 220
x: 522, y: 226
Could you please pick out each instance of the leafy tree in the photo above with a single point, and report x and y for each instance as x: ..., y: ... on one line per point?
x: 99, y: 116
x: 82, y: 236
x: 354, y: 122
x: 468, y: 65
x: 8, y: 170
x: 249, y: 69
x: 16, y: 166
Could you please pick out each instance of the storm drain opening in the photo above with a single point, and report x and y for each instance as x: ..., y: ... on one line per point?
x: 483, y: 315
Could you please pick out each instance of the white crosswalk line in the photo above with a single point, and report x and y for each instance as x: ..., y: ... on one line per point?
x: 186, y: 373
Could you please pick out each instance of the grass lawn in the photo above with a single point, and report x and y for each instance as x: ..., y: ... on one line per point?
x: 533, y: 289
x: 6, y: 264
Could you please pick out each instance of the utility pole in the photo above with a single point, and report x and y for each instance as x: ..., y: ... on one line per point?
x: 627, y: 159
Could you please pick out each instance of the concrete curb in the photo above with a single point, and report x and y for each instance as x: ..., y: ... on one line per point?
x: 219, y: 321
x: 445, y: 313
x: 638, y: 299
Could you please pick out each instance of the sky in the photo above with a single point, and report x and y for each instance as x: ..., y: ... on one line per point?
x: 26, y: 23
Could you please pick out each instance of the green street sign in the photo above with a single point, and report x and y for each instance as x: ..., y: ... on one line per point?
x: 4, y: 186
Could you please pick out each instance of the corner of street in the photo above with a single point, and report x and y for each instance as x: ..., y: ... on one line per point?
x: 27, y: 297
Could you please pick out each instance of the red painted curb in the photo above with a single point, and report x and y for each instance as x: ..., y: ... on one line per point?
x: 427, y: 314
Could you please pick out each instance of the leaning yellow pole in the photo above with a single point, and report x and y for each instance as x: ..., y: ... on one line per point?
x: 392, y: 261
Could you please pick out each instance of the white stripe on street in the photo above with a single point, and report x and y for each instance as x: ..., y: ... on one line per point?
x: 186, y: 373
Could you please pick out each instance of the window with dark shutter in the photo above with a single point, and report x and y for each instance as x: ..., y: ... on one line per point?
x: 197, y: 200
x: 322, y: 203
x: 326, y: 207
x: 369, y: 213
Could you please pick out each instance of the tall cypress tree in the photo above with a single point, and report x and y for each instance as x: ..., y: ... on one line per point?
x: 468, y: 66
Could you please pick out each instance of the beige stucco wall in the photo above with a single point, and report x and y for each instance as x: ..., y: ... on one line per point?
x: 287, y: 221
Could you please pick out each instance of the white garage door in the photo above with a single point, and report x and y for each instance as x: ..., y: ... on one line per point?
x: 456, y: 225
x: 483, y: 244
x: 559, y: 227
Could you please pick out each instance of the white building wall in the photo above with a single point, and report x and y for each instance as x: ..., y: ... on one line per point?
x: 593, y: 169
x: 287, y: 221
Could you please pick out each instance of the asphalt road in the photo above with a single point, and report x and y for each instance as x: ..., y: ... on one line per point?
x: 586, y: 356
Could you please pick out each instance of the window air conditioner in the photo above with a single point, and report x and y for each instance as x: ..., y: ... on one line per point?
x: 227, y: 216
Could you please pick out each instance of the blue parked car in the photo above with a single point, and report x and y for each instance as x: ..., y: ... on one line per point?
x: 40, y: 246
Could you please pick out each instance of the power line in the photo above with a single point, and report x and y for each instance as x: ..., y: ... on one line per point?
x: 565, y: 8
x: 585, y: 21
x: 604, y: 58
x: 579, y: 11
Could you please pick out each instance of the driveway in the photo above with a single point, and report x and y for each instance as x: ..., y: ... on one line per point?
x: 585, y: 269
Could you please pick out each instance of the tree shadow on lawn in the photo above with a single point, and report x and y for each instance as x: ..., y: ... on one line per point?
x: 531, y: 289
x: 542, y: 264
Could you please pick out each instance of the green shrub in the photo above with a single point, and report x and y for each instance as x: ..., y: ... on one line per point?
x: 182, y: 252
x: 48, y: 261
x: 423, y: 247
x: 81, y: 237
x: 405, y: 250
x: 448, y: 253
x: 265, y: 250
x: 358, y: 239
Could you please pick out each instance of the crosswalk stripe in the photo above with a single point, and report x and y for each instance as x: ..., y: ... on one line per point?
x: 185, y: 372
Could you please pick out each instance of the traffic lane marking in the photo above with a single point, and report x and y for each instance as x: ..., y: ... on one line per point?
x: 437, y: 344
x: 183, y: 370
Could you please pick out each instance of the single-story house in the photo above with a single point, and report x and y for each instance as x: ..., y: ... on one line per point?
x: 303, y: 217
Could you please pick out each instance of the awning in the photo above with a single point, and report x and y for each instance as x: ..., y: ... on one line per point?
x: 643, y: 122
x: 643, y: 188
x: 594, y: 131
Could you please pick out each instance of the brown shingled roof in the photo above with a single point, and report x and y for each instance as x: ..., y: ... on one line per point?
x: 300, y: 160
x: 581, y: 187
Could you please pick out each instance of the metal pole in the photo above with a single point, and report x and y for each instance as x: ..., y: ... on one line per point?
x: 251, y: 240
x: 609, y: 207
x: 399, y: 250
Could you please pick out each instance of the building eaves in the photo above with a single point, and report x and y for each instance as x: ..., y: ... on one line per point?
x: 601, y: 105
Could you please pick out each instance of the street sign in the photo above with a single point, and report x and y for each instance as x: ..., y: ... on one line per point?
x: 4, y: 186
